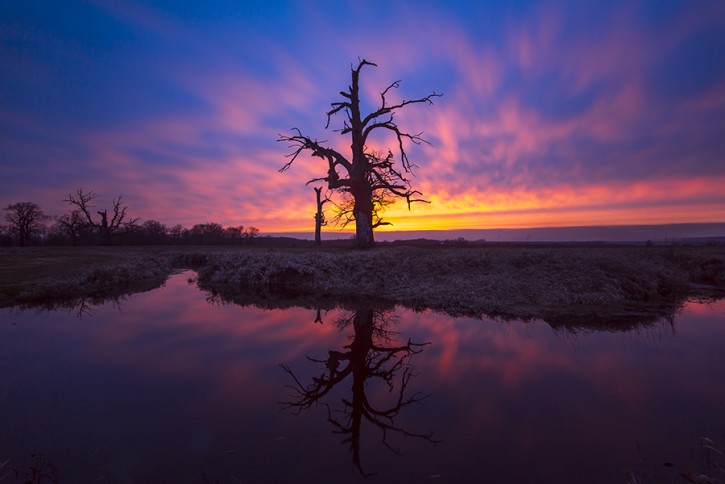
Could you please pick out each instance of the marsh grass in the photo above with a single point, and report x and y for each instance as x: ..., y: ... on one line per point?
x: 39, y: 277
x: 564, y: 285
x: 561, y: 285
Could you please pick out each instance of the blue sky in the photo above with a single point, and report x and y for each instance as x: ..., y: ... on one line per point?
x: 553, y: 114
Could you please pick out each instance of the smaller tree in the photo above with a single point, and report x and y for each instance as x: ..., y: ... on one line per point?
x: 5, y: 237
x: 233, y: 234
x: 26, y: 220
x: 319, y: 215
x: 154, y: 232
x: 106, y: 228
x: 72, y: 225
x: 176, y: 232
x: 251, y: 233
x: 207, y: 234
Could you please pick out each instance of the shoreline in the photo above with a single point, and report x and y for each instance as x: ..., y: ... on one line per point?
x: 577, y: 286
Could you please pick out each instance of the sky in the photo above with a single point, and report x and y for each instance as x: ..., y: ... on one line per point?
x: 553, y: 113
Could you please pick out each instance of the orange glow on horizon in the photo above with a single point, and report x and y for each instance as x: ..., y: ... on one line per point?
x: 663, y: 202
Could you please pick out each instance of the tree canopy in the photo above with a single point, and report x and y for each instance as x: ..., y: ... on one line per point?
x: 26, y: 219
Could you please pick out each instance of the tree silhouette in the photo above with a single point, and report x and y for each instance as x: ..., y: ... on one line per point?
x: 106, y: 228
x: 319, y: 215
x: 26, y: 219
x: 72, y: 224
x: 362, y: 174
x: 250, y: 233
x: 366, y: 359
x: 207, y: 233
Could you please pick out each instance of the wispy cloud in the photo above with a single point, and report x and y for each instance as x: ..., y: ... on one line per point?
x: 550, y: 114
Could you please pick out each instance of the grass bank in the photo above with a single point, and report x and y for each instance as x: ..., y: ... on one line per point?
x: 63, y: 276
x: 560, y: 284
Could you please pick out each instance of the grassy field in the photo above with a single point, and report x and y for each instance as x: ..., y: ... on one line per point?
x: 561, y: 284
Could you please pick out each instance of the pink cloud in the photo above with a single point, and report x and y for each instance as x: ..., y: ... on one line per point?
x: 497, y: 148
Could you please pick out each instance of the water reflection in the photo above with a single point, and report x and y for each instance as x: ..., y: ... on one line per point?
x: 168, y: 388
x: 372, y: 355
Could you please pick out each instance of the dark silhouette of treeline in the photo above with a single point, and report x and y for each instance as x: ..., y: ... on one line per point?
x: 150, y: 232
x: 27, y: 224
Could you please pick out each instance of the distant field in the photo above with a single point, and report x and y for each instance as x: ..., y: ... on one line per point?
x: 552, y: 282
x: 21, y: 268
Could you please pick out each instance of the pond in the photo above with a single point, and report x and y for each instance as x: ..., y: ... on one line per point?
x: 167, y: 386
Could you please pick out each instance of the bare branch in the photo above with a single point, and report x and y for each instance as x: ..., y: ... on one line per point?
x: 300, y: 143
x: 394, y: 85
x: 106, y: 228
x: 337, y: 107
x: 364, y: 62
x: 82, y: 201
x: 389, y: 109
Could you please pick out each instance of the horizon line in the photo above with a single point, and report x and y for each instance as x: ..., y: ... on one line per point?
x: 608, y: 233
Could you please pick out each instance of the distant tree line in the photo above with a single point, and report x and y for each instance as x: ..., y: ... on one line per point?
x: 27, y: 224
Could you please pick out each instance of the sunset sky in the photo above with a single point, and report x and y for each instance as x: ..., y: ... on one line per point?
x: 553, y: 113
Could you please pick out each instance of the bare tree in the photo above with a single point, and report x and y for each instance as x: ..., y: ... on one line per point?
x: 26, y: 219
x: 176, y: 232
x: 6, y: 237
x: 362, y: 174
x: 153, y: 232
x: 72, y: 224
x: 319, y: 215
x: 233, y: 234
x: 106, y: 228
x: 369, y: 357
x: 250, y: 233
x: 207, y: 233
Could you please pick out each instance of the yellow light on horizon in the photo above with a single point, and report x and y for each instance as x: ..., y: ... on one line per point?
x: 656, y: 202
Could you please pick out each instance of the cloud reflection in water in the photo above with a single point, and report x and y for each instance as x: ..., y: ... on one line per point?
x: 169, y: 387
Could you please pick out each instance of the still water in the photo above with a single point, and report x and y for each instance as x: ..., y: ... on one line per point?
x: 167, y: 387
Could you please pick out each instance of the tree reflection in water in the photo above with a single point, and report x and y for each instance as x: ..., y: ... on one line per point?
x: 370, y: 356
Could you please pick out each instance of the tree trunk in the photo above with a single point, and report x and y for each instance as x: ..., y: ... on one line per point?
x: 364, y: 227
x: 363, y: 213
x: 359, y: 349
x: 318, y: 237
x: 318, y: 217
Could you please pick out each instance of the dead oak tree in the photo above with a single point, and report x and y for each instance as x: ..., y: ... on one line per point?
x: 319, y: 215
x: 106, y: 228
x: 362, y: 174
